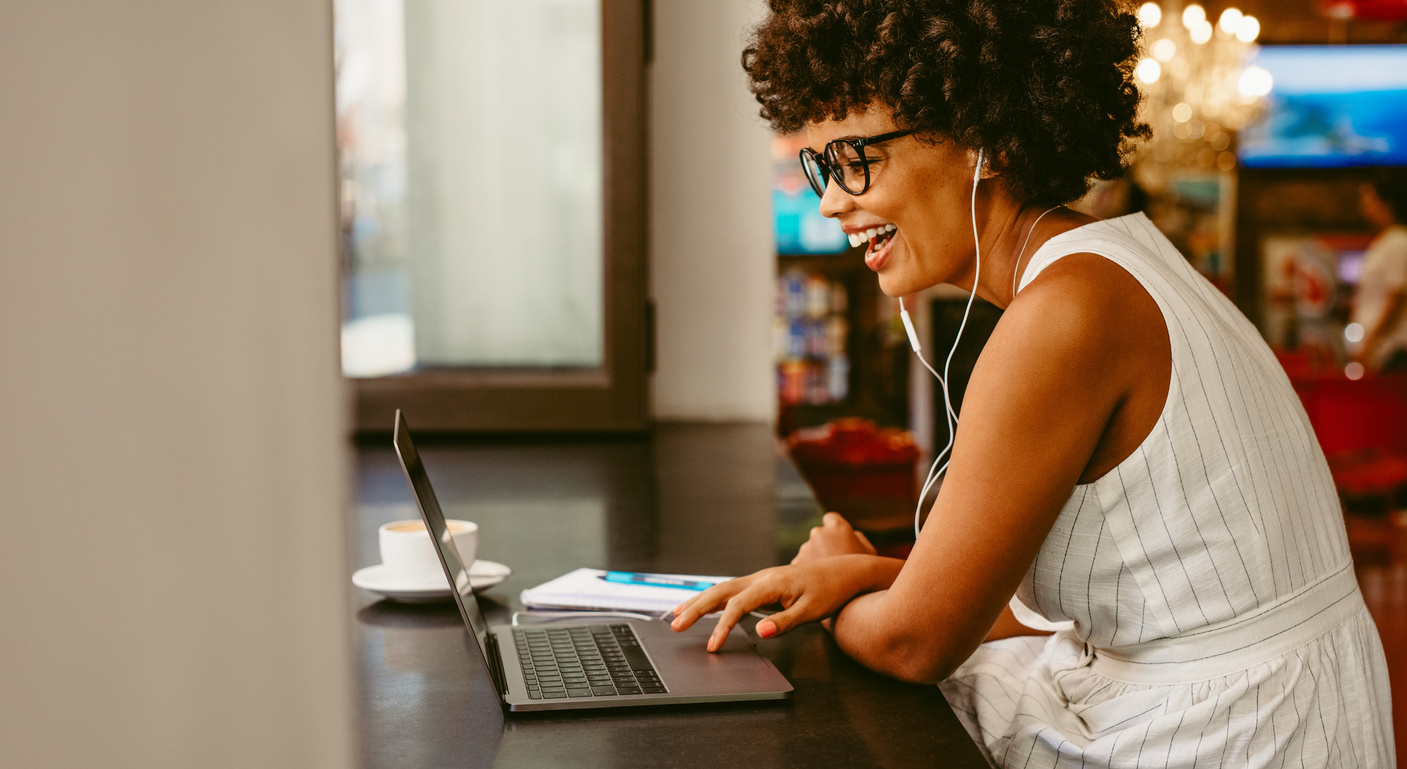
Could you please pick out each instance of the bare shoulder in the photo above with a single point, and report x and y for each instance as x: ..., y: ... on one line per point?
x: 1087, y: 335
x: 1084, y: 305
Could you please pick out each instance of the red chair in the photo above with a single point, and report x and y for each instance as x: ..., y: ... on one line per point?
x: 1362, y: 427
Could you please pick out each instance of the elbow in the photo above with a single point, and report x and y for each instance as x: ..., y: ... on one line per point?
x: 922, y: 671
x: 918, y: 658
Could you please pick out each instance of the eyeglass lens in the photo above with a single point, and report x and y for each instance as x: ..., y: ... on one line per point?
x: 849, y: 166
x: 815, y: 174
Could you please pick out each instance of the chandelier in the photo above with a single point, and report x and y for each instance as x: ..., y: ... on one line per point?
x: 1198, y: 86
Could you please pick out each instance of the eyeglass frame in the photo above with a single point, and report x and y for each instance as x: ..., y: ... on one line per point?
x: 826, y: 167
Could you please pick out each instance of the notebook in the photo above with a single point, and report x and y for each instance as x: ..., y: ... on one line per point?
x: 617, y: 591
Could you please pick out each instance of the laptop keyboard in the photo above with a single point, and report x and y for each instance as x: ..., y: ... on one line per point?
x: 585, y: 661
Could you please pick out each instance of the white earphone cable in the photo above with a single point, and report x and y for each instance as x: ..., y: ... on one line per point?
x: 950, y: 416
x: 1016, y: 271
x: 935, y: 472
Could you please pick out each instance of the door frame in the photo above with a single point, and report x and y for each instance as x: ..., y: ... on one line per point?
x: 612, y: 398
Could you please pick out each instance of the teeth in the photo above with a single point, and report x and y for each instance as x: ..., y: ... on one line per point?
x: 870, y: 234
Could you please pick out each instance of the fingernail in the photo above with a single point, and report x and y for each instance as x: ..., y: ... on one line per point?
x: 766, y: 629
x: 712, y: 643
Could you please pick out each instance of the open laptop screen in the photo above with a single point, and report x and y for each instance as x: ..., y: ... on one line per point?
x: 444, y: 544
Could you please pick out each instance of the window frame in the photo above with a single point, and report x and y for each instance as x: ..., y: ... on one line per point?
x: 612, y: 398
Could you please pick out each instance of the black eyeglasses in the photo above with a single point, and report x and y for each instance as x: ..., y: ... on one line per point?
x: 844, y: 161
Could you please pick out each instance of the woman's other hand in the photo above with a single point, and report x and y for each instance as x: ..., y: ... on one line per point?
x: 807, y: 592
x: 833, y: 537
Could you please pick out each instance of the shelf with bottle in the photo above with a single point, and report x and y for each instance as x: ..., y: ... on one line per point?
x: 810, y: 339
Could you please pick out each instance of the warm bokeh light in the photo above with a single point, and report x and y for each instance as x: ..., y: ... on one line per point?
x: 1248, y: 29
x: 1149, y: 14
x: 1164, y: 50
x: 1148, y: 71
x: 1255, y: 82
x: 1230, y: 19
x: 1193, y: 15
x: 1353, y: 332
x: 1201, y: 32
x: 1182, y: 112
x: 1353, y: 370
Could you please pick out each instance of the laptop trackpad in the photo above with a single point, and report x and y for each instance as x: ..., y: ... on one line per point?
x: 686, y: 666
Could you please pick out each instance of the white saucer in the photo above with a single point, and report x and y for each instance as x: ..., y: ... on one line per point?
x: 482, y: 576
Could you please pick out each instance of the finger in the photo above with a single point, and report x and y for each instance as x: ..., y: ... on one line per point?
x: 729, y: 586
x: 689, y: 612
x: 784, y: 620
x: 737, y: 606
x: 864, y: 540
x: 834, y: 520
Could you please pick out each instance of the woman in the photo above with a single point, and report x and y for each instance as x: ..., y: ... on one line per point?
x: 1132, y: 469
x: 1381, y: 305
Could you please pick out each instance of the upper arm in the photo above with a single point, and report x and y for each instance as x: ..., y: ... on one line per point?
x: 1396, y: 273
x: 1054, y: 373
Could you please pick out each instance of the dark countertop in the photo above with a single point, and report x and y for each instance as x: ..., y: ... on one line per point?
x: 690, y: 498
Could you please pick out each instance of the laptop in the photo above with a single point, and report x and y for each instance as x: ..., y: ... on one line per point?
x: 592, y: 662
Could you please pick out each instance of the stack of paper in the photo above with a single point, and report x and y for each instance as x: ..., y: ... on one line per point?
x: 617, y: 591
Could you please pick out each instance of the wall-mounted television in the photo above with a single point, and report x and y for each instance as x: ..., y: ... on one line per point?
x: 1330, y: 107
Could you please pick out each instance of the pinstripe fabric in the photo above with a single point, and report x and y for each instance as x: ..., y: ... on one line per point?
x: 1223, y: 522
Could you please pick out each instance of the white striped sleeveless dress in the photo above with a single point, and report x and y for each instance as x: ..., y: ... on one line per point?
x: 1202, y: 594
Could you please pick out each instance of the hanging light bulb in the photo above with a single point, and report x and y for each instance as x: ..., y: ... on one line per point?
x: 1148, y: 71
x: 1198, y: 90
x: 1229, y: 19
x: 1193, y: 15
x: 1248, y: 29
x: 1201, y: 32
x: 1149, y: 14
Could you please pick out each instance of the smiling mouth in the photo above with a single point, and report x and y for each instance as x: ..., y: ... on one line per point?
x: 875, y: 236
x: 880, y: 239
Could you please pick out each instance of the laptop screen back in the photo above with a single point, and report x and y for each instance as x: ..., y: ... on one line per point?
x: 444, y: 544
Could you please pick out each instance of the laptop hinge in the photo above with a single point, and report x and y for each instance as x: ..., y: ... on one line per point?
x: 496, y: 671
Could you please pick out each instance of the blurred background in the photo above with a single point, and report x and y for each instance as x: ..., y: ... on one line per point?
x: 237, y: 236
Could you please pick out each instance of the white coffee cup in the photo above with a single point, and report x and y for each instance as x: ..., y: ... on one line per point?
x: 408, y: 552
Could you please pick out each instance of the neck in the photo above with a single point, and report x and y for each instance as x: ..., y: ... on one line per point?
x: 1009, y: 239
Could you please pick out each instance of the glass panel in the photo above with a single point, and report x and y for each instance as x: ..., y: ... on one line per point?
x: 471, y: 143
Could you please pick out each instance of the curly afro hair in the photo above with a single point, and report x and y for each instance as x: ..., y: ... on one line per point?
x: 1044, y: 87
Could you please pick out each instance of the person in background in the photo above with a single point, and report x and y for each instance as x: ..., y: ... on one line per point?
x: 1381, y: 304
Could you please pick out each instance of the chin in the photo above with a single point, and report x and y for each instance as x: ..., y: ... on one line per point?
x: 891, y: 285
x: 895, y: 284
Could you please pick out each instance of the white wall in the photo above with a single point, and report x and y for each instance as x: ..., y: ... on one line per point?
x: 172, y: 468
x: 713, y: 263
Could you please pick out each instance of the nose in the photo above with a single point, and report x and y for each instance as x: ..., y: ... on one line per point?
x: 836, y: 201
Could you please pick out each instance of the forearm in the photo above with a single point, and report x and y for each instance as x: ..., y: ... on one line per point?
x: 883, y: 571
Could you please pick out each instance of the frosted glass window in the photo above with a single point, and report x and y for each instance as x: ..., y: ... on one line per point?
x: 471, y: 136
